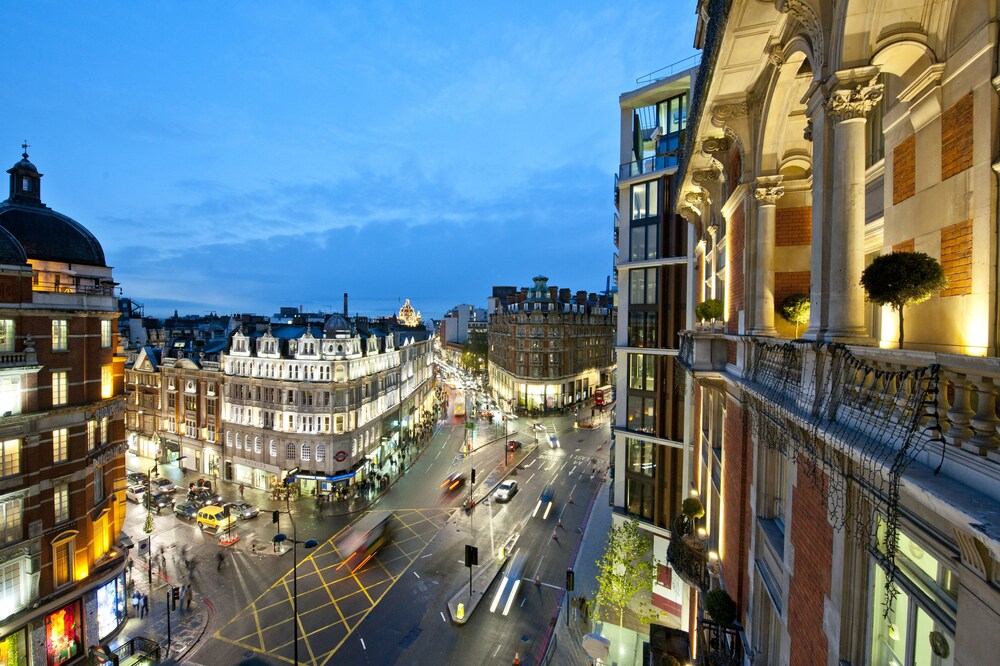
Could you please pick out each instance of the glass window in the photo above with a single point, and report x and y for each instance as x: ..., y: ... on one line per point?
x: 98, y: 483
x: 290, y: 452
x: 640, y: 457
x: 60, y: 445
x: 320, y: 453
x: 642, y: 289
x: 11, y: 511
x: 641, y: 414
x: 105, y: 421
x: 10, y: 457
x: 306, y: 452
x: 92, y: 434
x: 273, y: 448
x: 60, y: 501
x: 106, y: 337
x: 107, y: 382
x: 6, y: 335
x: 642, y: 329
x: 60, y: 335
x: 639, y: 498
x: 642, y: 372
x: 59, y: 388
x: 62, y: 559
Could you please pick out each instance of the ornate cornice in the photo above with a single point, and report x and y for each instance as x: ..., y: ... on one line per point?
x: 853, y: 102
x: 721, y: 113
x: 810, y: 22
x: 715, y: 144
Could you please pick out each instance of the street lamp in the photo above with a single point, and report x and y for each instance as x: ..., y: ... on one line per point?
x: 311, y: 543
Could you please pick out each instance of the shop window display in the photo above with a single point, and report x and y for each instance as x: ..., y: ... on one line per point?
x: 63, y: 634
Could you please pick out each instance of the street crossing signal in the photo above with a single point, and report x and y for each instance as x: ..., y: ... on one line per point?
x: 274, y: 516
x: 570, y: 576
x: 471, y: 556
x: 473, y: 475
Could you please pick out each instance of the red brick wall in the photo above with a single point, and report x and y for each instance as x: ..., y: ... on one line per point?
x: 956, y: 258
x: 737, y: 463
x: 956, y: 138
x: 786, y: 284
x: 793, y: 226
x: 904, y: 246
x: 812, y: 539
x: 735, y: 174
x: 735, y: 239
x: 903, y: 168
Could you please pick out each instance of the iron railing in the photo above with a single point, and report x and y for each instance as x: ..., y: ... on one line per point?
x: 669, y: 70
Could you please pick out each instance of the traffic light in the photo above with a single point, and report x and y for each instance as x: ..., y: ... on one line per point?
x: 473, y: 475
x: 570, y: 576
x: 471, y: 556
x: 274, y: 516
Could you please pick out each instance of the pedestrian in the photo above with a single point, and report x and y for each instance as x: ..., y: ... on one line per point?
x: 187, y: 597
x: 584, y: 607
x: 242, y: 488
x: 145, y: 606
x: 576, y: 605
x: 220, y: 558
x: 135, y: 603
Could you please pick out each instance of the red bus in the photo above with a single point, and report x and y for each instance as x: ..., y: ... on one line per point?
x: 605, y: 395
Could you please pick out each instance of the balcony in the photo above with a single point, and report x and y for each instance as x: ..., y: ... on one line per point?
x: 646, y: 165
x: 18, y: 359
x: 718, y: 645
x: 703, y: 351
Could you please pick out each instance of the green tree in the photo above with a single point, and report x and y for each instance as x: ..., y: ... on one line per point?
x: 474, y: 353
x: 899, y: 279
x: 626, y: 570
x: 795, y: 310
x: 711, y: 309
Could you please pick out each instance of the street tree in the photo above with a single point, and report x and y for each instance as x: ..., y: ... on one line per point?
x: 899, y: 279
x: 626, y: 570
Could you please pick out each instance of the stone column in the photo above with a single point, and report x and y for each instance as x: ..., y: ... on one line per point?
x: 847, y: 106
x: 767, y: 193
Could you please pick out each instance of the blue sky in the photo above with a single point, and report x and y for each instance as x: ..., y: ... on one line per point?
x: 241, y: 156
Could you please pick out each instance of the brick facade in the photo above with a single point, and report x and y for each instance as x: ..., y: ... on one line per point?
x: 904, y: 169
x: 735, y: 240
x: 956, y: 258
x: 809, y: 586
x: 903, y: 246
x: 793, y: 226
x: 737, y: 468
x: 956, y: 138
x: 791, y: 282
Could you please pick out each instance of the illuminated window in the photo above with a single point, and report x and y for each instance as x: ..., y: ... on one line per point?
x: 11, y: 513
x: 6, y: 335
x: 60, y: 445
x: 62, y: 561
x: 60, y: 501
x: 60, y: 335
x: 107, y: 382
x: 60, y: 389
x: 10, y: 457
x: 272, y: 449
x: 106, y: 337
x: 13, y: 595
x: 91, y: 434
x: 104, y: 429
x: 98, y: 483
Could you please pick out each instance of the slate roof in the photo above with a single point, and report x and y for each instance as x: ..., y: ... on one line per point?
x: 50, y: 236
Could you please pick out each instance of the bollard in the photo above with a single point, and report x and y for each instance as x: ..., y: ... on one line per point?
x: 460, y: 613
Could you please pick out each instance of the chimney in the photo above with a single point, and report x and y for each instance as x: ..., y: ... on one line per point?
x: 564, y: 295
x: 581, y: 298
x: 300, y: 309
x: 345, y: 305
x: 553, y: 293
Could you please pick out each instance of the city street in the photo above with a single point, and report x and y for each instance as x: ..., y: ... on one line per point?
x: 393, y: 608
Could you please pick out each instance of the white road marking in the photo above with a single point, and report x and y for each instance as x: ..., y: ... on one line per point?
x: 443, y: 618
x: 497, y: 650
x: 573, y: 471
x: 363, y: 646
x: 522, y: 601
x: 416, y: 574
x: 529, y: 479
x: 427, y: 555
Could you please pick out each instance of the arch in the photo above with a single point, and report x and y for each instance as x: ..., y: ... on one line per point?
x: 904, y: 55
x: 782, y: 147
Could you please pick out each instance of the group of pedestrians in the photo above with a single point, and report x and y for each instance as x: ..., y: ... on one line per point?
x: 581, y: 605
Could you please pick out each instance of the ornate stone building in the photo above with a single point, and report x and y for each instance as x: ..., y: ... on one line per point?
x: 548, y: 349
x: 850, y: 487
x: 62, y: 440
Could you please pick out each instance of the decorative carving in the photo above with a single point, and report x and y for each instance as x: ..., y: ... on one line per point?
x: 715, y: 144
x: 690, y: 214
x: 775, y: 55
x: 853, y: 102
x: 769, y: 195
x: 810, y: 22
x: 807, y: 133
x: 699, y: 176
x: 698, y: 198
x: 723, y: 112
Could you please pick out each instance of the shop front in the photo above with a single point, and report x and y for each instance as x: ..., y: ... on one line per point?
x: 14, y: 648
x: 64, y: 634
x: 110, y: 606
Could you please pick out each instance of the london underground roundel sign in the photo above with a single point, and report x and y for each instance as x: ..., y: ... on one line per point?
x: 340, y: 456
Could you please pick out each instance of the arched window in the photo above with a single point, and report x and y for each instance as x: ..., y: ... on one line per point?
x: 256, y: 445
x: 273, y: 449
x: 306, y: 452
x: 239, y: 442
x: 290, y: 452
x: 320, y: 453
x: 229, y: 439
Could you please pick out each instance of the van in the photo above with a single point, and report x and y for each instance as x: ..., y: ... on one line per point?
x: 216, y: 517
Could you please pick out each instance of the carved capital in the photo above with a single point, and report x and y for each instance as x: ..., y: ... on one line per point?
x: 853, y: 102
x: 700, y: 176
x: 723, y: 112
x: 775, y: 55
x: 715, y: 144
x: 768, y: 196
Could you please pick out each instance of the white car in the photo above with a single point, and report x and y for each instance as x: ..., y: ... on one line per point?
x: 164, y: 485
x: 505, y: 491
x: 135, y: 493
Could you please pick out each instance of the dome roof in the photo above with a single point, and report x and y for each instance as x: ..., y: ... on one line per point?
x: 50, y: 236
x: 337, y: 323
x: 25, y: 165
x: 11, y: 251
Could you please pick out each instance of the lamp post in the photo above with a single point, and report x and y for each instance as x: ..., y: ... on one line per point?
x: 311, y: 543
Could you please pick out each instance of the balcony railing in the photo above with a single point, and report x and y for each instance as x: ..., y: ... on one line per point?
x: 669, y: 70
x: 63, y: 287
x: 720, y: 646
x: 646, y: 165
x: 17, y: 359
x: 137, y: 650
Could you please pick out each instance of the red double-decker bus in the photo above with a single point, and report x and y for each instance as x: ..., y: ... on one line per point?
x: 605, y: 395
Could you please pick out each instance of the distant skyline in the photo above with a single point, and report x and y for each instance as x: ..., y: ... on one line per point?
x: 241, y: 157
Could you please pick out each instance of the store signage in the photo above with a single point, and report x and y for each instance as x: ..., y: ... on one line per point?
x: 111, y: 409
x: 108, y: 454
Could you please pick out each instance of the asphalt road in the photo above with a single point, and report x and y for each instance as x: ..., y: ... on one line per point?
x: 393, y: 610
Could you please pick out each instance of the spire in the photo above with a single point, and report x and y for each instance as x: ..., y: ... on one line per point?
x: 25, y: 181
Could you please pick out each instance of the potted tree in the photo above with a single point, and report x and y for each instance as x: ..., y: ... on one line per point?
x: 709, y: 310
x: 899, y: 279
x: 720, y: 607
x: 795, y: 310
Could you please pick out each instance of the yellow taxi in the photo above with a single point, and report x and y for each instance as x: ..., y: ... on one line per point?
x: 215, y: 517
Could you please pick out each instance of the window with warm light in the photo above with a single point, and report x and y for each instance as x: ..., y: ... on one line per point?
x: 60, y: 335
x: 104, y: 429
x: 10, y: 457
x: 6, y: 335
x: 107, y: 382
x: 12, y: 515
x: 62, y: 561
x: 60, y: 445
x: 60, y: 501
x: 91, y: 434
x: 60, y: 388
x: 107, y: 339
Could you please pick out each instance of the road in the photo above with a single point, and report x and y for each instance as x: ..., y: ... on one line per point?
x: 394, y: 608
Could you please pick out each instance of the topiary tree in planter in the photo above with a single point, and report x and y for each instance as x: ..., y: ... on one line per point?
x: 720, y: 607
x: 693, y: 508
x: 709, y: 310
x: 899, y: 279
x: 795, y: 310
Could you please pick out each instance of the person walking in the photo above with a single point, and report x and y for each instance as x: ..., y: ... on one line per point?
x: 584, y: 607
x: 135, y: 603
x: 220, y: 558
x: 187, y: 597
x: 144, y: 609
x: 242, y: 488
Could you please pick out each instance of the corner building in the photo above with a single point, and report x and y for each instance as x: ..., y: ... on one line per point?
x: 850, y: 487
x: 62, y: 444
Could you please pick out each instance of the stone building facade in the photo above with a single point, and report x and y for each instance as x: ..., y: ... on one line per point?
x: 548, y: 349
x: 62, y: 437
x: 850, y: 487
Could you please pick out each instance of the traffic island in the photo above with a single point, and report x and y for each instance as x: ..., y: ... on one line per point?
x: 463, y: 602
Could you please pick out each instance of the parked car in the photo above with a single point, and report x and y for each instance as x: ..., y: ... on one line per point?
x: 514, y: 445
x: 135, y: 493
x: 186, y: 510
x: 204, y: 498
x: 157, y: 501
x: 136, y: 478
x: 242, y: 509
x: 164, y: 485
x: 505, y: 491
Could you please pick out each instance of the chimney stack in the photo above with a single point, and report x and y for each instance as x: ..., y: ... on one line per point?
x: 345, y: 304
